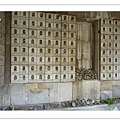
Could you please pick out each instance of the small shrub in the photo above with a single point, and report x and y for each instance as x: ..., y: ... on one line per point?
x: 89, y: 99
x: 110, y: 101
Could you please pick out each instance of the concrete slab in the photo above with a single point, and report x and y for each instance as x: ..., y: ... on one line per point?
x: 116, y: 91
x: 54, y: 92
x: 65, y: 91
x: 77, y: 90
x: 116, y: 82
x: 18, y: 94
x: 31, y: 86
x: 6, y: 100
x: 44, y: 85
x: 91, y: 89
x: 106, y: 94
x: 36, y: 94
x: 1, y: 81
x: 1, y: 96
x: 106, y: 85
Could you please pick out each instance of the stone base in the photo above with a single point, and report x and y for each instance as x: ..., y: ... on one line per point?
x: 86, y: 89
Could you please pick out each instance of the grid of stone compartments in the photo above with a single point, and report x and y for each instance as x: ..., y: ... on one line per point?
x: 110, y: 49
x: 2, y: 47
x: 42, y: 47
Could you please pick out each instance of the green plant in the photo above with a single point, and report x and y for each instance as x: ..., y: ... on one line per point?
x: 9, y: 108
x: 110, y: 101
x: 89, y: 99
x: 58, y: 14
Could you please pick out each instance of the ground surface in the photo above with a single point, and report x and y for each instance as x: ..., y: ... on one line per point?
x: 83, y: 105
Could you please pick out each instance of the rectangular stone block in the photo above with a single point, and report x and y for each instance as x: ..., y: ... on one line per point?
x: 37, y: 93
x: 54, y: 92
x: 18, y: 94
x: 6, y: 100
x: 32, y: 78
x: 1, y: 96
x: 116, y: 82
x: 106, y: 85
x: 77, y: 90
x: 116, y: 91
x: 37, y: 96
x: 2, y: 81
x: 44, y: 86
x: 91, y: 89
x: 31, y: 86
x: 106, y: 94
x: 65, y: 91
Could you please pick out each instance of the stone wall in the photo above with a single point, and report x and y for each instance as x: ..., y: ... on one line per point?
x: 26, y: 94
x: 2, y: 47
x: 36, y: 93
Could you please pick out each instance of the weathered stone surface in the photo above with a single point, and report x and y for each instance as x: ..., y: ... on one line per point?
x: 1, y: 81
x: 77, y: 90
x: 73, y: 104
x: 83, y: 35
x: 88, y: 102
x: 35, y: 95
x: 116, y: 91
x: 62, y: 104
x: 8, y: 47
x: 44, y: 85
x: 6, y: 100
x: 31, y: 86
x: 106, y: 85
x: 18, y: 94
x: 54, y: 89
x: 58, y: 91
x: 0, y: 96
x: 86, y: 89
x: 91, y: 89
x: 65, y: 91
x: 6, y: 95
x: 116, y: 82
x: 106, y: 94
x: 54, y: 92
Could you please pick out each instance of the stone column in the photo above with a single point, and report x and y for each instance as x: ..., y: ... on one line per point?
x: 6, y: 89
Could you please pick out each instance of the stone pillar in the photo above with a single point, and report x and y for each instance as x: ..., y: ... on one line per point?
x: 6, y: 89
x: 83, y: 45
